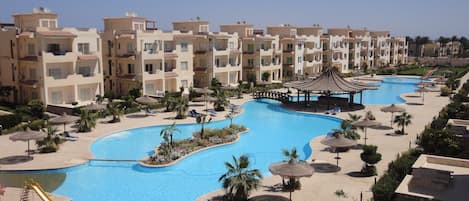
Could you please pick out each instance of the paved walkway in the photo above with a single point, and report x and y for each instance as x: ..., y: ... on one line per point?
x: 13, y: 194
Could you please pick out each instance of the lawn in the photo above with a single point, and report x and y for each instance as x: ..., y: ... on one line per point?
x: 414, y: 71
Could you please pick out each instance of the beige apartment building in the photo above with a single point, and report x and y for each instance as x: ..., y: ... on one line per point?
x: 59, y: 66
x: 398, y: 51
x: 363, y: 49
x: 336, y: 48
x: 8, y: 63
x: 313, y: 49
x: 216, y: 54
x: 292, y: 49
x: 261, y: 54
x: 137, y: 55
x: 381, y: 41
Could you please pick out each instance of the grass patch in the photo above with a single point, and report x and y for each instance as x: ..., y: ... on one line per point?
x: 414, y: 71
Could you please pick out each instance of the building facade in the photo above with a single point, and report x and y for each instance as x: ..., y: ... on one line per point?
x: 59, y: 66
x: 216, y: 54
x: 137, y: 55
x: 261, y: 54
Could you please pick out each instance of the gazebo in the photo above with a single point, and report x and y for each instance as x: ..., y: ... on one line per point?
x: 329, y: 83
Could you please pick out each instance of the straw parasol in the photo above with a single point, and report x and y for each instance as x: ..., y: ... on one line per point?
x: 366, y: 123
x: 206, y: 99
x: 94, y: 107
x: 338, y: 141
x: 291, y: 169
x: 27, y: 135
x: 146, y: 100
x: 423, y: 90
x: 392, y: 108
x: 203, y: 90
x: 64, y: 119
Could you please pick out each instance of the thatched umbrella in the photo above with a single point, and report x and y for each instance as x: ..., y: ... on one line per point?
x: 392, y: 108
x: 338, y: 141
x: 64, y: 119
x: 146, y: 100
x: 366, y: 123
x: 423, y: 90
x: 203, y: 90
x: 291, y: 169
x: 206, y: 99
x: 94, y: 107
x: 28, y: 135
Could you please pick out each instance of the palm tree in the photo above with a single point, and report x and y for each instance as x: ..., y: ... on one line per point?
x: 167, y: 133
x: 202, y: 120
x: 369, y: 115
x: 239, y: 181
x: 221, y: 100
x: 181, y: 106
x: 403, y: 120
x: 87, y: 121
x: 291, y: 155
x: 51, y: 142
x: 231, y: 115
x: 116, y: 111
x: 169, y: 102
x: 347, y: 129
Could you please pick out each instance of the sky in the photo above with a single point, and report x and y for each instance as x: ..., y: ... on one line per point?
x: 402, y: 17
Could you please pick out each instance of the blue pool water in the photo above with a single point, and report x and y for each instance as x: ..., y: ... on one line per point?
x: 271, y: 130
x: 388, y: 93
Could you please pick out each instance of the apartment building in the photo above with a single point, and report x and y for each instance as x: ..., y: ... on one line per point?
x: 398, y: 51
x: 261, y: 54
x: 8, y: 64
x: 450, y: 49
x: 216, y: 54
x: 60, y: 66
x: 382, y: 47
x: 138, y: 55
x: 313, y: 53
x: 336, y: 48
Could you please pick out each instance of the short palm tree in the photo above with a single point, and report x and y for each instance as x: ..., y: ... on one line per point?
x: 87, y: 121
x: 181, y: 107
x: 239, y: 181
x: 403, y: 120
x: 231, y: 114
x: 168, y: 131
x: 169, y: 102
x: 116, y: 111
x: 51, y: 142
x: 202, y: 120
x: 221, y: 100
x: 291, y: 155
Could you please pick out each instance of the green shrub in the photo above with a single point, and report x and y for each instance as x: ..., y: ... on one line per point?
x: 440, y: 142
x: 384, y: 188
x: 36, y: 108
x: 370, y: 157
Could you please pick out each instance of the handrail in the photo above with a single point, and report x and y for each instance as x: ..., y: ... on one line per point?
x: 43, y: 195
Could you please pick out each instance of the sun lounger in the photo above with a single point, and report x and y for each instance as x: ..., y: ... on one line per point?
x: 213, y: 113
x: 193, y: 113
x: 149, y: 111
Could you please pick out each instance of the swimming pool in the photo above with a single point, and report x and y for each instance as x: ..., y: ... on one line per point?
x: 271, y: 130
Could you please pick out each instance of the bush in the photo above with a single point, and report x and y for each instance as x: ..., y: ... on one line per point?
x: 370, y: 157
x: 440, y: 142
x: 10, y: 120
x: 384, y: 188
x: 445, y: 91
x: 36, y: 108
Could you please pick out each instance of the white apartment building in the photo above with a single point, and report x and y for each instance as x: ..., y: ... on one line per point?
x: 398, y: 51
x: 137, y: 55
x: 261, y: 54
x: 381, y: 41
x: 60, y: 66
x: 216, y: 54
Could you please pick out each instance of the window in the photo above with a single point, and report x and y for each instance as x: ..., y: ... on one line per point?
x: 262, y: 62
x: 53, y: 47
x: 273, y: 46
x: 184, y: 47
x: 85, y: 94
x: 56, y: 97
x: 299, y: 46
x: 150, y: 48
x: 31, y: 49
x: 52, y: 24
x: 130, y: 48
x: 130, y: 69
x: 250, y: 62
x: 84, y: 48
x: 300, y: 59
x: 109, y: 63
x: 233, y: 62
x: 231, y: 45
x: 149, y: 68
x: 289, y: 60
x: 203, y: 28
x: 85, y: 71
x: 184, y: 65
x: 56, y: 73
x: 184, y: 83
x: 250, y: 47
x: 44, y: 23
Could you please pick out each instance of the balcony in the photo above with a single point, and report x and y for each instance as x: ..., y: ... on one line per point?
x: 248, y: 51
x: 50, y: 57
x: 288, y: 50
x: 200, y: 51
x: 127, y: 55
x: 266, y: 52
x: 56, y: 81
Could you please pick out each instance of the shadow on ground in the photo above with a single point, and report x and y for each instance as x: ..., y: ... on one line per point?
x: 325, y: 167
x: 11, y: 160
